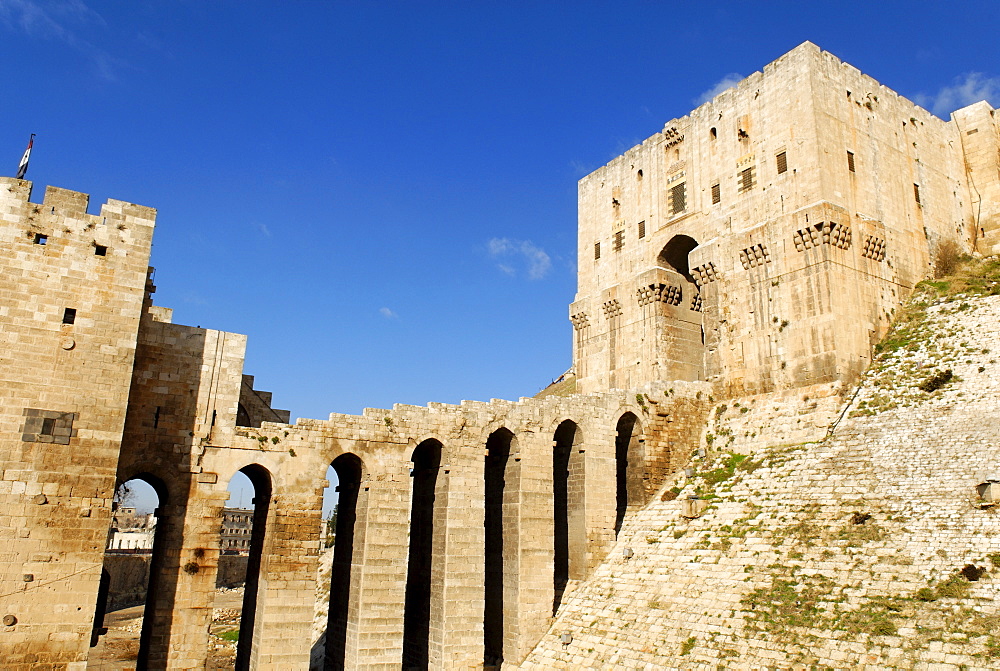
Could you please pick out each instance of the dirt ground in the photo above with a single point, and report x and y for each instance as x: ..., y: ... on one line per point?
x: 118, y: 650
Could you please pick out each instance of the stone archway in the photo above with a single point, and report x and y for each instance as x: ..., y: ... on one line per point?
x: 260, y: 478
x: 630, y: 468
x: 569, y: 552
x: 426, y: 546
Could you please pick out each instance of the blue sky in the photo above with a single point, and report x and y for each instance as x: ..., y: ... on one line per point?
x: 383, y: 195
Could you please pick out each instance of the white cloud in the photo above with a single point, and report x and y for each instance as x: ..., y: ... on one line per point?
x: 264, y: 230
x: 965, y: 90
x: 387, y: 313
x: 579, y: 168
x: 60, y: 20
x: 511, y: 254
x: 729, y: 81
x: 194, y: 298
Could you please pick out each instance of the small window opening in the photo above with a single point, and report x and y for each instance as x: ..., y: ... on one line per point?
x: 712, y: 133
x: 782, y: 163
x: 916, y: 193
x: 642, y: 229
x: 639, y: 174
x: 619, y: 240
x: 156, y: 418
x: 41, y: 239
x: 597, y: 250
x: 100, y: 250
x: 48, y: 427
x: 678, y: 198
x: 850, y: 161
x: 716, y: 194
x: 69, y: 316
x: 746, y: 179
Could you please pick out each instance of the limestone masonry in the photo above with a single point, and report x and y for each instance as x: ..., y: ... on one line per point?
x: 764, y: 241
x: 735, y: 272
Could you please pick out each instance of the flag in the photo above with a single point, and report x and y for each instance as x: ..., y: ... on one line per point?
x: 23, y: 166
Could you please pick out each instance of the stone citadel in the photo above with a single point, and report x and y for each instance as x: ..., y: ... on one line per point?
x: 751, y: 253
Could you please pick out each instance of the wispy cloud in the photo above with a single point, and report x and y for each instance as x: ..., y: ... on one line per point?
x: 579, y: 168
x: 965, y: 90
x: 264, y: 230
x: 194, y: 298
x: 60, y: 20
x: 387, y: 313
x: 730, y: 80
x: 512, y: 254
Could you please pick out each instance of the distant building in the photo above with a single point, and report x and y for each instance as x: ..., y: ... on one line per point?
x: 237, y: 525
x: 131, y: 531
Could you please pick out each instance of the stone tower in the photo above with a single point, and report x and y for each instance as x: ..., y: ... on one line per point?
x: 73, y: 285
x: 765, y: 240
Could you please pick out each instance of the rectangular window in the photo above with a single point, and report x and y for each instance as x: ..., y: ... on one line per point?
x: 850, y: 161
x: 41, y: 239
x: 782, y: 163
x: 597, y: 250
x: 678, y: 198
x: 716, y: 194
x: 916, y: 193
x: 100, y: 250
x: 69, y: 316
x: 746, y: 179
x: 642, y: 229
x: 48, y: 426
x: 619, y: 240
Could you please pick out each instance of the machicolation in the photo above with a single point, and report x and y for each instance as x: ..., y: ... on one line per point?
x: 767, y: 453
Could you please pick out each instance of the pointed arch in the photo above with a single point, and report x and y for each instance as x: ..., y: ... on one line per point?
x: 500, y: 523
x: 426, y: 546
x: 350, y: 472
x: 261, y: 480
x: 156, y: 567
x: 675, y: 254
x: 569, y: 553
x: 629, y: 467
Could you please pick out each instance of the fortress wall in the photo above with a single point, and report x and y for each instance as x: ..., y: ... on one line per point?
x: 184, y: 394
x: 776, y: 573
x: 802, y: 232
x: 745, y: 271
x: 978, y: 131
x: 384, y: 440
x: 65, y: 388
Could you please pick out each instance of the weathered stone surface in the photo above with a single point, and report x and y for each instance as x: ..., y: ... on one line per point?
x: 704, y: 328
x: 764, y: 241
x: 818, y: 553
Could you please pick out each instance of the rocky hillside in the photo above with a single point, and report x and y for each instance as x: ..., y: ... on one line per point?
x: 870, y: 545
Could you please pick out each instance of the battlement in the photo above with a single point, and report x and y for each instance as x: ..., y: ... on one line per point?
x: 15, y: 194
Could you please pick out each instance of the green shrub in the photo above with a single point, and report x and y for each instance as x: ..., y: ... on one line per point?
x: 936, y: 381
